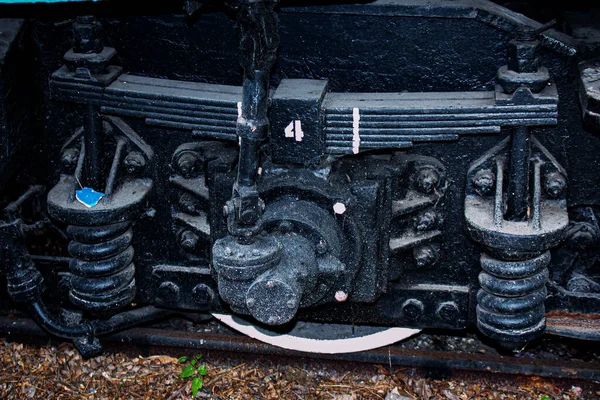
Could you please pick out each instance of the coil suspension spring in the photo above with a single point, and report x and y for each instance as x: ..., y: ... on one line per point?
x: 102, y: 266
x: 510, y: 303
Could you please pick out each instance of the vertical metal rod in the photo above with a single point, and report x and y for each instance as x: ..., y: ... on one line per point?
x: 92, y: 133
x: 254, y: 110
x: 518, y: 183
x: 537, y: 195
x: 114, y: 169
x: 499, y: 198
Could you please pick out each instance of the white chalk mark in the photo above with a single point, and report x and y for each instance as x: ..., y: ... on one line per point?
x: 355, y: 130
x: 298, y: 130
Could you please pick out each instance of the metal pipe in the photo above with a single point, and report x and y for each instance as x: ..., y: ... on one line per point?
x: 518, y: 182
x: 94, y: 147
x: 253, y: 125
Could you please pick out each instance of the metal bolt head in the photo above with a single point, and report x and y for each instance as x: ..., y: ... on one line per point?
x: 425, y: 256
x: 187, y: 164
x: 555, y: 184
x: 583, y: 236
x: 412, y: 309
x: 285, y: 227
x: 339, y: 208
x: 69, y: 159
x: 134, y: 162
x: 447, y: 311
x: 322, y: 247
x: 189, y: 204
x: 203, y: 294
x: 87, y: 35
x: 484, y: 182
x: 168, y: 291
x: 426, y: 221
x: 427, y: 180
x: 341, y: 296
x: 188, y: 240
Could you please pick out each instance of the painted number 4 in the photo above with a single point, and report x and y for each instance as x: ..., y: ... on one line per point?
x: 294, y: 130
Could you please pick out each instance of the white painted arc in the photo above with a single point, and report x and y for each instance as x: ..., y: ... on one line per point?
x: 329, y: 346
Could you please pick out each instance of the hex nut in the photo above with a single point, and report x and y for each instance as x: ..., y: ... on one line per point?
x: 426, y: 255
x: 188, y: 240
x: 426, y: 221
x: 187, y: 164
x: 412, y: 309
x: 447, y: 311
x: 168, y: 291
x: 427, y: 180
x: 69, y: 158
x: 484, y: 182
x: 134, y: 162
x: 203, y: 294
x: 555, y: 184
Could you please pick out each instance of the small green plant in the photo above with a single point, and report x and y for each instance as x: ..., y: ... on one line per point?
x: 194, y: 370
x: 545, y: 398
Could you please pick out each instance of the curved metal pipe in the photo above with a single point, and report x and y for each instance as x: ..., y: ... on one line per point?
x: 118, y: 322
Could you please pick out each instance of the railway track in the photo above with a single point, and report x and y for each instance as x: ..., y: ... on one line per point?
x: 553, y: 357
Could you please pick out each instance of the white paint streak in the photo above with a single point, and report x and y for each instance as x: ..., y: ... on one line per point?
x: 239, y: 107
x: 356, y: 130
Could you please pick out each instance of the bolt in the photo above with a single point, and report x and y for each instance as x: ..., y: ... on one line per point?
x: 341, y: 296
x: 425, y: 255
x: 583, y: 236
x: 555, y: 184
x: 189, y: 204
x: 134, y: 162
x: 187, y: 164
x: 484, y: 182
x: 412, y: 309
x: 69, y: 158
x: 339, y: 208
x: 188, y: 240
x: 250, y: 302
x: 203, y: 294
x: 291, y: 304
x: 272, y: 320
x: 168, y: 291
x: 87, y: 35
x: 228, y: 251
x: 322, y: 247
x: 255, y: 252
x: 226, y: 211
x: 448, y: 311
x: 426, y: 221
x: 285, y: 227
x: 427, y: 180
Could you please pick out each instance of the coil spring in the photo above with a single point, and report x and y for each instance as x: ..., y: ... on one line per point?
x: 102, y: 266
x: 510, y: 304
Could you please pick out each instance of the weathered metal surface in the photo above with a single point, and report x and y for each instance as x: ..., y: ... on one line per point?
x: 362, y: 166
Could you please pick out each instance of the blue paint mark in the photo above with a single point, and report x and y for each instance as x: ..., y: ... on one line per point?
x: 88, y: 197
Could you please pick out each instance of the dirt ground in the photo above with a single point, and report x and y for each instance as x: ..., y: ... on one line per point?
x: 56, y: 371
